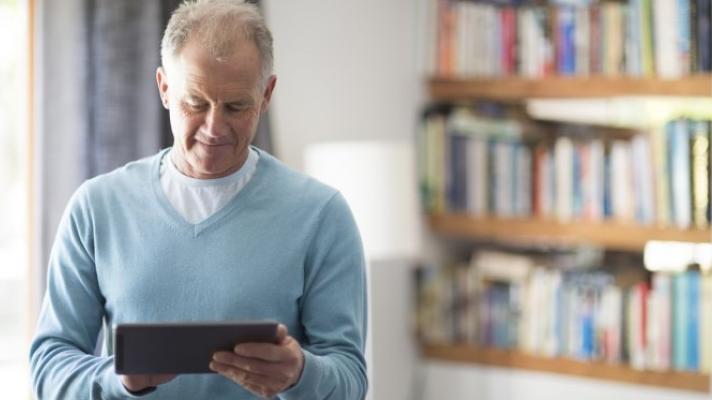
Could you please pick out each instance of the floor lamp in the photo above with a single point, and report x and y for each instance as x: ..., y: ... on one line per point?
x: 378, y: 180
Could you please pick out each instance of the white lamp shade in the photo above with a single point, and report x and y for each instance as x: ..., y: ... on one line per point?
x: 379, y: 182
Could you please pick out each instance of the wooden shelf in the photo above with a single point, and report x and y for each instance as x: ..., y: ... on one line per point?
x: 611, y: 235
x: 588, y: 369
x: 516, y: 89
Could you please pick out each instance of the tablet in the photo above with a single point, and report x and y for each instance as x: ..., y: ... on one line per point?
x: 182, y: 348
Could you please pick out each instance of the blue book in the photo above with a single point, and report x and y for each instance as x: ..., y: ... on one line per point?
x: 704, y: 61
x: 607, y: 179
x: 693, y: 320
x: 566, y: 18
x: 680, y: 325
x: 670, y: 142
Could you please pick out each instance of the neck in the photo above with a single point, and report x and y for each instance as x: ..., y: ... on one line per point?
x: 186, y: 169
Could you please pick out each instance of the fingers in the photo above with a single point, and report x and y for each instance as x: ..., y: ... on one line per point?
x: 265, y: 369
x: 261, y: 385
x: 252, y: 365
x: 282, y: 333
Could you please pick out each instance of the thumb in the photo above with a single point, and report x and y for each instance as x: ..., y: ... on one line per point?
x: 282, y: 334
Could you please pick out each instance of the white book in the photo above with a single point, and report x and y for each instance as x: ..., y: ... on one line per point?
x: 633, y: 45
x: 531, y: 325
x: 480, y: 43
x: 502, y: 267
x: 666, y: 28
x: 622, y: 193
x: 552, y: 339
x: 680, y: 179
x: 643, y: 176
x: 524, y: 41
x: 659, y: 329
x: 608, y: 323
x: 635, y: 323
x: 597, y: 170
x: 462, y: 41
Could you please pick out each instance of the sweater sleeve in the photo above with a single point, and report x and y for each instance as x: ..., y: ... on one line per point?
x: 61, y: 355
x: 333, y: 310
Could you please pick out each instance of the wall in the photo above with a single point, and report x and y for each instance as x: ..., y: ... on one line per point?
x: 350, y: 70
x: 346, y: 71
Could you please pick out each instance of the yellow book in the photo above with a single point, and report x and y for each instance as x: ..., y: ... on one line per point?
x: 700, y: 175
x: 660, y: 172
x: 646, y: 38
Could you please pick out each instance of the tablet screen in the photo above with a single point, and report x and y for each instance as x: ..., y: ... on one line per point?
x: 182, y: 348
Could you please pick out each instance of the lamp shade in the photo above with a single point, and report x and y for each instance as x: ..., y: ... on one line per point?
x: 378, y: 180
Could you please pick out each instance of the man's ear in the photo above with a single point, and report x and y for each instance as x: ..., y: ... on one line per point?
x: 267, y: 95
x: 162, y: 82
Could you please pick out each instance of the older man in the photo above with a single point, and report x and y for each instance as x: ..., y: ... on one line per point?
x: 210, y: 229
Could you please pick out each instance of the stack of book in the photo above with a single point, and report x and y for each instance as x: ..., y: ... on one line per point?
x: 488, y: 166
x: 518, y: 302
x: 666, y: 38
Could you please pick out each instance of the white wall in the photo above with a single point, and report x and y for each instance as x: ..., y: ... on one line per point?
x: 349, y: 70
x: 345, y: 71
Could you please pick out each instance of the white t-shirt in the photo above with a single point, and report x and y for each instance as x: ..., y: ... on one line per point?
x: 197, y: 199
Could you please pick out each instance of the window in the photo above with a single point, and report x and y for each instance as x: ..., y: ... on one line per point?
x: 14, y: 311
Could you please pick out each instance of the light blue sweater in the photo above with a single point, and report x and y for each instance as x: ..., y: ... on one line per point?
x: 286, y: 248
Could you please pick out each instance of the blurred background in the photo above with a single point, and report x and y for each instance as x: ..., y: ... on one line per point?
x: 531, y: 179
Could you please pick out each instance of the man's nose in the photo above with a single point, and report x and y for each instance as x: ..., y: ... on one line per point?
x: 216, y: 123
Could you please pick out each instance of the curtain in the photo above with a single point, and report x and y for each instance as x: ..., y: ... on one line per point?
x: 125, y: 120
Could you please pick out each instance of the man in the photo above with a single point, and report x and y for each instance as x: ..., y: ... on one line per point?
x: 210, y: 229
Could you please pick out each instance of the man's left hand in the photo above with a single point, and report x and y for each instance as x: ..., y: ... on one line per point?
x: 264, y: 369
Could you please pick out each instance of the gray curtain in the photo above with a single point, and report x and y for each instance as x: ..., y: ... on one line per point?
x: 124, y: 115
x: 125, y: 120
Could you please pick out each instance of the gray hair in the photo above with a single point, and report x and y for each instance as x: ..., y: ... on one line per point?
x: 219, y: 24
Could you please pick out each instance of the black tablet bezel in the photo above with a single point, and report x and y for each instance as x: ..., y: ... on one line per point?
x: 181, y: 347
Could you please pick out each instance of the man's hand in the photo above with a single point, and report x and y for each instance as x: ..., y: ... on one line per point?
x: 135, y: 383
x: 264, y: 369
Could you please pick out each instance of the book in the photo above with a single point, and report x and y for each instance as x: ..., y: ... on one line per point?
x: 705, y: 317
x: 700, y: 162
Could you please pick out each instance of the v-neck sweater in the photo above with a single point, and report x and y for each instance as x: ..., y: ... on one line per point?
x: 197, y: 199
x: 285, y: 248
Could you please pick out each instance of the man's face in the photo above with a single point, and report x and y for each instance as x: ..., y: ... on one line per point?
x: 214, y: 107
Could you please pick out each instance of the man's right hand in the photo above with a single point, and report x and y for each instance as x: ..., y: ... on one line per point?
x: 136, y: 383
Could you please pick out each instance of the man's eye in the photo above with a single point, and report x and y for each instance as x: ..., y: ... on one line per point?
x: 196, y: 105
x: 236, y: 108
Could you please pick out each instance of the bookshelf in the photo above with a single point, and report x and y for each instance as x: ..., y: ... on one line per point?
x: 517, y: 89
x: 612, y: 235
x: 559, y: 51
x: 587, y: 369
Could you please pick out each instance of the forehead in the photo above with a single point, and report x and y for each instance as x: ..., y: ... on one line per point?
x: 198, y: 69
